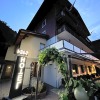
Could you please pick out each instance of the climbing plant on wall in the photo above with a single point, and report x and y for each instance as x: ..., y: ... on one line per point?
x: 52, y: 54
x: 73, y: 88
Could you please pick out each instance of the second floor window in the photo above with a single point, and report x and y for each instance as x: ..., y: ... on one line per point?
x: 44, y: 32
x: 43, y: 23
x: 62, y: 13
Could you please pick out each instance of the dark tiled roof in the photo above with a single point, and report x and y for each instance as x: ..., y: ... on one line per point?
x: 46, y: 7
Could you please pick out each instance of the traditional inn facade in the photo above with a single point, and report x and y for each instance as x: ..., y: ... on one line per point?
x: 56, y: 24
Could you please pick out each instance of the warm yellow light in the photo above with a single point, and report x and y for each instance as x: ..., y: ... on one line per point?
x: 9, y: 67
x: 74, y: 71
x: 93, y: 68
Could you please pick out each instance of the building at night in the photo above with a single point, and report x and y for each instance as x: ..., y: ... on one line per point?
x: 56, y: 24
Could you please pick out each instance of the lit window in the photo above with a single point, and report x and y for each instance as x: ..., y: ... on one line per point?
x: 7, y: 71
x: 42, y: 46
x: 75, y: 67
x: 44, y: 32
x: 43, y: 23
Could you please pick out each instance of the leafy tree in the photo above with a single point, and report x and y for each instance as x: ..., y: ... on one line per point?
x: 7, y: 33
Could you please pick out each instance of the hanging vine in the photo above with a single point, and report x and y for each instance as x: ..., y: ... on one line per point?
x: 52, y: 54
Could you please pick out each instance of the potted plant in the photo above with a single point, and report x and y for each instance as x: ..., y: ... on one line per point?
x: 30, y: 91
x: 72, y: 86
x: 82, y: 89
x: 41, y: 92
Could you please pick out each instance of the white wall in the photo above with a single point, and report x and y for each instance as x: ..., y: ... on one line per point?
x: 51, y: 75
x: 32, y: 45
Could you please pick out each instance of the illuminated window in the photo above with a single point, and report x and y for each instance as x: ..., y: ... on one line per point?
x: 93, y: 68
x: 43, y: 23
x: 75, y: 67
x: 7, y: 71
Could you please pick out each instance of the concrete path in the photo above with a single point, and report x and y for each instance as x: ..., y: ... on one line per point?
x: 50, y: 96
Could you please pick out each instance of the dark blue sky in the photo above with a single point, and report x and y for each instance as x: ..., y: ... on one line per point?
x: 19, y: 13
x: 90, y: 13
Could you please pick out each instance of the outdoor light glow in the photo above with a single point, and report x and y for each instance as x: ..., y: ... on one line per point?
x: 20, y: 73
x: 74, y: 71
x: 93, y: 69
x: 9, y: 67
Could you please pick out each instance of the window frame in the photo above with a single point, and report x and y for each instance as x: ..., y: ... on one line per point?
x: 75, y: 67
x: 44, y: 32
x: 4, y: 74
x: 43, y: 23
x: 42, y: 44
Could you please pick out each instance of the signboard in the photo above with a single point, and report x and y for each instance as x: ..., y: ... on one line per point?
x: 22, y: 52
x: 16, y: 86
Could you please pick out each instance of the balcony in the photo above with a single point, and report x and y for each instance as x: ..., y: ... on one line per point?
x: 70, y: 48
x: 65, y: 17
